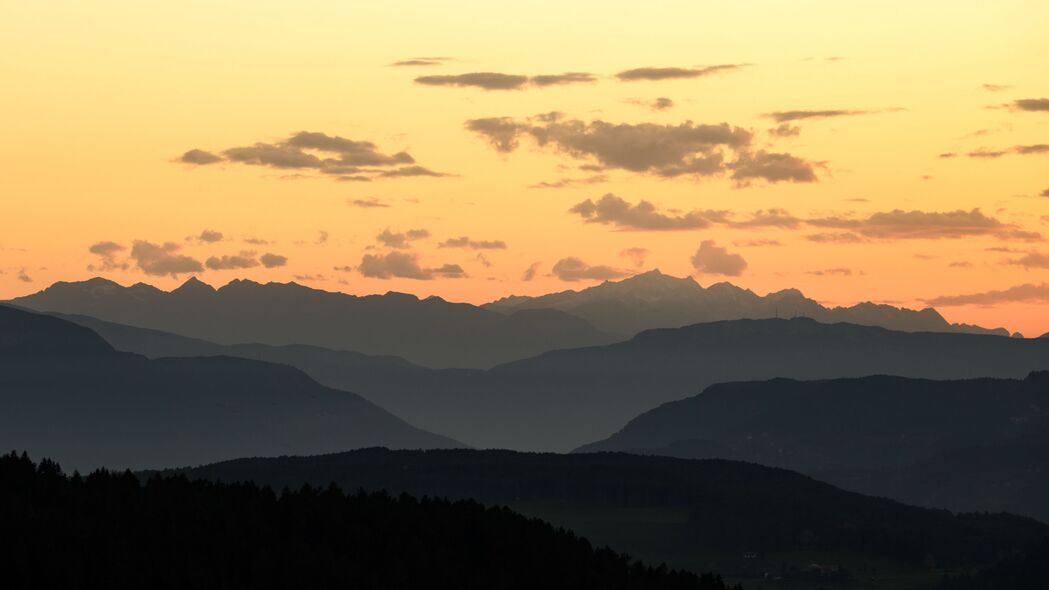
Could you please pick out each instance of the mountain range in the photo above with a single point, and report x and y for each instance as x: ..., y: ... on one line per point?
x: 979, y: 444
x: 562, y: 399
x: 67, y: 393
x: 655, y: 300
x: 431, y: 332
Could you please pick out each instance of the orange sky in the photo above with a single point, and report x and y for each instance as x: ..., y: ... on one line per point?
x: 101, y: 100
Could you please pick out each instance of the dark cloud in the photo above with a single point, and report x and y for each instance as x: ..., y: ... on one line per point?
x: 662, y: 150
x: 772, y: 167
x: 422, y: 61
x: 1020, y: 293
x: 270, y: 260
x: 24, y: 277
x: 210, y: 236
x: 1032, y: 104
x: 530, y: 272
x: 758, y: 243
x: 899, y: 224
x: 960, y: 264
x: 613, y: 210
x: 573, y: 269
x: 161, y: 260
x: 658, y: 104
x: 1023, y: 150
x: 1045, y: 193
x: 845, y: 272
x: 561, y: 79
x: 107, y: 253
x: 342, y: 158
x: 786, y: 116
x: 404, y: 265
x: 770, y: 218
x: 785, y: 130
x: 199, y: 157
x: 232, y: 262
x: 369, y: 203
x: 401, y: 240
x: 256, y: 241
x: 571, y: 182
x: 1032, y: 260
x: 465, y: 242
x: 713, y: 259
x: 106, y: 248
x: 483, y: 80
x: 651, y: 73
x: 636, y: 256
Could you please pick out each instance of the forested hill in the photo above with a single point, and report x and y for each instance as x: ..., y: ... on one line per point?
x: 110, y: 531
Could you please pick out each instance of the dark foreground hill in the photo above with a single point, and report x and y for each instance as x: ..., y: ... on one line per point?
x: 111, y: 531
x: 431, y: 332
x: 563, y: 399
x: 683, y: 511
x: 980, y: 444
x: 66, y: 393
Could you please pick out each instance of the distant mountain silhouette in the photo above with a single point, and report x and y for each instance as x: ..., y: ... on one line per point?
x: 980, y: 444
x: 67, y: 393
x: 109, y: 530
x: 655, y: 300
x: 563, y: 399
x: 430, y: 332
x: 726, y: 507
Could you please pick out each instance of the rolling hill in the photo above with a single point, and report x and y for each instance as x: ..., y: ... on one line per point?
x: 66, y: 393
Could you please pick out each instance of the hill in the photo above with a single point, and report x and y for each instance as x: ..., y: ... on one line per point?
x: 110, y: 531
x: 277, y: 314
x: 686, y: 512
x: 655, y: 300
x: 65, y: 392
x: 582, y: 395
x: 980, y: 444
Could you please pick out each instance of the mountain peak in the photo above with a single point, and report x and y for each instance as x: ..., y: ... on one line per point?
x: 194, y: 286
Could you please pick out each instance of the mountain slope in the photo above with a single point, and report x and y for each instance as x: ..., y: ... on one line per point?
x: 278, y: 314
x: 980, y: 444
x: 563, y: 399
x: 724, y: 507
x: 655, y: 300
x: 110, y: 531
x: 66, y: 393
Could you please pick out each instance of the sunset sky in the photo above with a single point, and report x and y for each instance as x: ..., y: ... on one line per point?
x: 888, y: 151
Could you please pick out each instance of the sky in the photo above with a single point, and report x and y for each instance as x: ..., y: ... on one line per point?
x: 895, y: 152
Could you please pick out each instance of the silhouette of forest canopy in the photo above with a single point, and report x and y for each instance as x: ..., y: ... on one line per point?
x: 110, y: 530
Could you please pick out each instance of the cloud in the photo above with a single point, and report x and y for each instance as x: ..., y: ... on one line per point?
x: 758, y: 243
x: 960, y: 264
x: 989, y: 154
x: 256, y: 241
x: 657, y: 104
x: 530, y: 272
x: 787, y: 116
x: 770, y: 218
x: 573, y: 269
x: 199, y: 157
x: 785, y: 130
x: 1031, y: 104
x: 501, y: 132
x: 25, y: 278
x: 1020, y: 293
x: 401, y: 240
x: 995, y: 87
x: 1045, y: 193
x: 636, y: 256
x: 651, y: 73
x: 162, y: 260
x: 845, y: 272
x: 107, y: 253
x: 616, y: 211
x: 899, y: 224
x: 713, y: 259
x: 322, y: 237
x: 465, y: 242
x: 483, y: 80
x: 561, y: 79
x: 571, y: 182
x: 210, y: 236
x: 270, y: 260
x: 333, y: 155
x: 1032, y: 260
x: 422, y: 61
x: 369, y: 203
x: 772, y: 167
x: 404, y: 265
x: 232, y: 262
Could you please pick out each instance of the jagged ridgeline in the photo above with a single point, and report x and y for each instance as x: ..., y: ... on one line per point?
x: 109, y: 530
